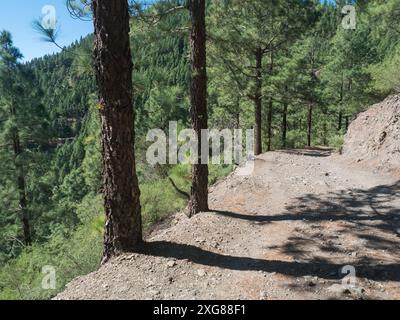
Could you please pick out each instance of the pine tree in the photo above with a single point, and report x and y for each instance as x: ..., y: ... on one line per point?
x: 23, y: 127
x: 248, y: 36
x: 113, y: 64
x: 198, y: 93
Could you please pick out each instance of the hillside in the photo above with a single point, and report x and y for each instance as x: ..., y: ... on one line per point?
x: 373, y: 138
x: 79, y: 184
x: 284, y: 232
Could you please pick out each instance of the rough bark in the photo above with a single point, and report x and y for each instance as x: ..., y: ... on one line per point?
x: 340, y: 120
x: 258, y: 103
x: 270, y: 105
x: 237, y: 114
x: 198, y: 92
x: 309, y: 124
x: 270, y: 113
x: 284, y: 124
x: 113, y: 64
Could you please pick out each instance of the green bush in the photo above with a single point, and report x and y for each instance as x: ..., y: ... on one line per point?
x: 296, y: 139
x: 337, y: 143
x: 78, y: 252
x: 159, y: 200
x: 70, y: 255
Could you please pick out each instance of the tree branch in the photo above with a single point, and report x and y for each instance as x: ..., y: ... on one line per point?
x: 181, y: 192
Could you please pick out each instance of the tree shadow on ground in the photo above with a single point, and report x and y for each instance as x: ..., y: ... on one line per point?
x: 366, y: 220
x: 376, y: 208
x: 369, y: 215
x: 312, y: 152
x: 315, y: 267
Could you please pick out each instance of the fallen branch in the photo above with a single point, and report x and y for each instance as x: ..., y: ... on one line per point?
x: 181, y: 192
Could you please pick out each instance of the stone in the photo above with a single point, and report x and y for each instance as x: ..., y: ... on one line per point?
x: 263, y: 295
x: 171, y: 264
x: 338, y: 289
x: 154, y: 292
x: 357, y: 290
x: 201, y: 273
x: 311, y: 281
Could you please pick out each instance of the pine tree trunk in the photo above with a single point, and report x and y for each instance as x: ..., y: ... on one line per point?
x: 325, y: 133
x: 113, y: 63
x: 284, y: 124
x: 340, y: 121
x: 21, y: 186
x: 309, y: 124
x: 198, y: 92
x: 258, y: 103
x: 347, y: 122
x: 270, y: 112
x: 270, y: 105
x: 237, y: 118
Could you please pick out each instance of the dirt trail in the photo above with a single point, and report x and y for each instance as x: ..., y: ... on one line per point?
x: 284, y: 232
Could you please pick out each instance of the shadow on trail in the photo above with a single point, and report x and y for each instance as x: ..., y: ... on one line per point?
x: 317, y: 268
x: 311, y: 152
x: 369, y: 215
x: 355, y: 206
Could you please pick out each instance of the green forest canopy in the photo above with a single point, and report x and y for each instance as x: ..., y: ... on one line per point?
x: 317, y: 67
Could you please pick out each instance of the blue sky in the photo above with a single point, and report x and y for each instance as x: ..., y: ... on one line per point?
x: 16, y: 16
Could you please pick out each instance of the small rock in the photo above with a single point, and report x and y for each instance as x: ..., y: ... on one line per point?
x: 201, y: 273
x: 201, y: 241
x: 263, y: 295
x: 346, y: 289
x: 129, y: 257
x: 357, y: 290
x: 311, y: 281
x: 338, y: 289
x: 171, y: 264
x: 154, y: 292
x: 214, y: 244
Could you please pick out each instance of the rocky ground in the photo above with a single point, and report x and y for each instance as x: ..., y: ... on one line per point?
x: 290, y: 230
x: 373, y: 138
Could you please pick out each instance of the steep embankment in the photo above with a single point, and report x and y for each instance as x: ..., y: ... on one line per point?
x: 283, y: 232
x: 373, y: 138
